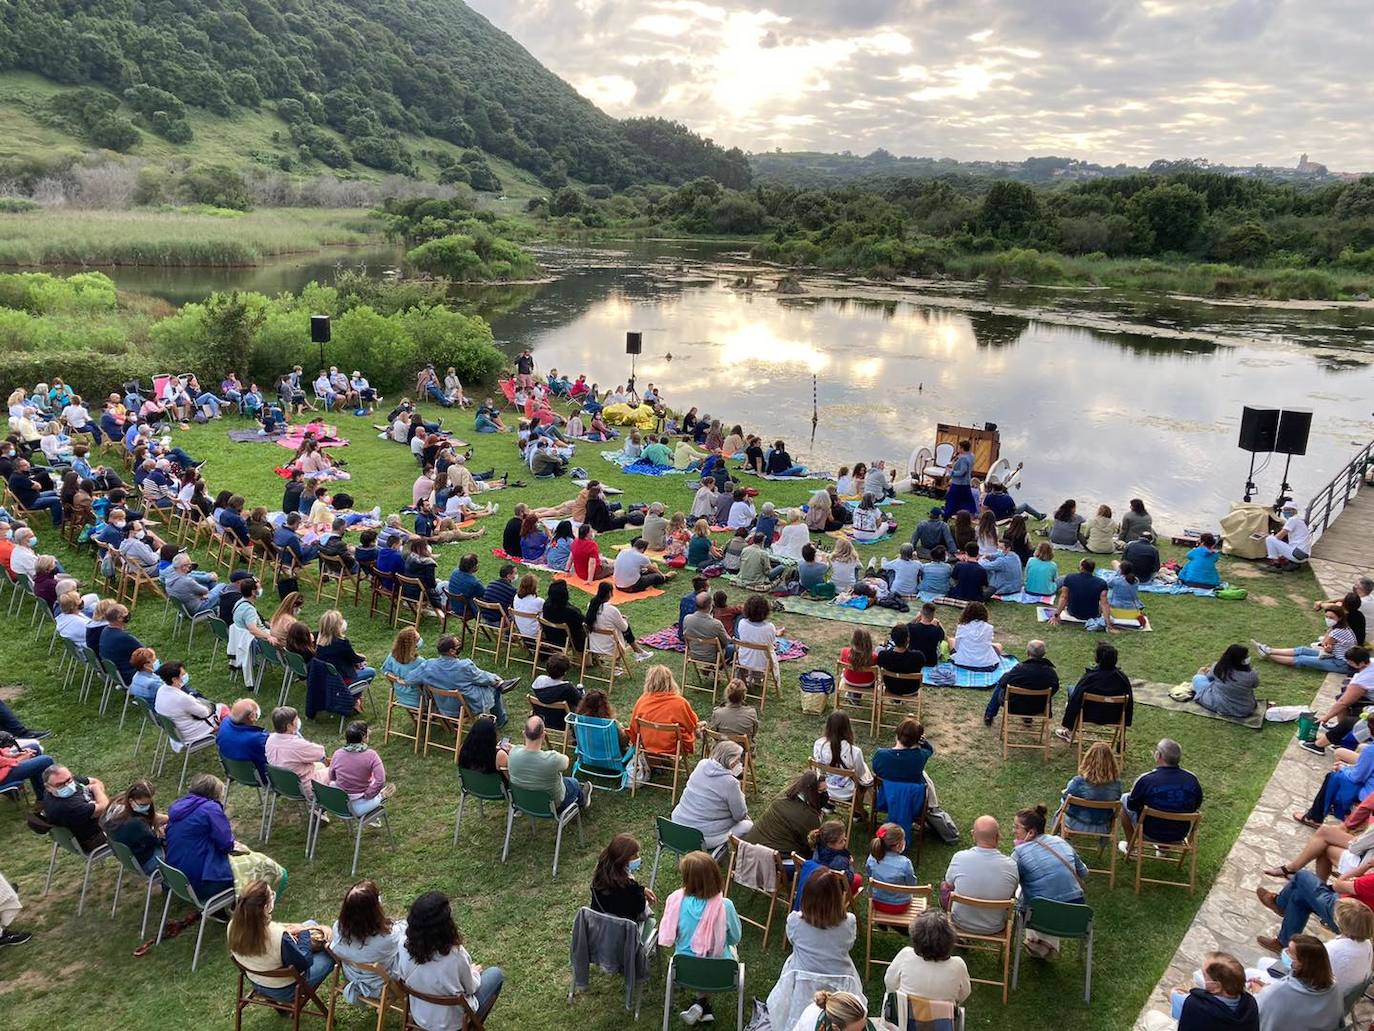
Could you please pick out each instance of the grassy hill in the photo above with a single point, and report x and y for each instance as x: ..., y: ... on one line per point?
x: 348, y: 85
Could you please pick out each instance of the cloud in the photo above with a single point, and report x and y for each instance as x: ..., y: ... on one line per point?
x: 1239, y: 81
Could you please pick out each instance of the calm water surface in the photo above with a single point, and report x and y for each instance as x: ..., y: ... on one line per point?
x: 1087, y: 394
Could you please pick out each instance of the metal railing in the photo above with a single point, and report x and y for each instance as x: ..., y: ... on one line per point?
x: 1331, y: 500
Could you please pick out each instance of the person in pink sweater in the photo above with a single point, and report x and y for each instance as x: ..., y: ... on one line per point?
x: 358, y: 770
x: 288, y: 749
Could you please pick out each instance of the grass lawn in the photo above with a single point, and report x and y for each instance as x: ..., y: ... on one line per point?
x: 512, y: 914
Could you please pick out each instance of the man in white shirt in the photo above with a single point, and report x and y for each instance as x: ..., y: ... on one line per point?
x: 1363, y: 588
x: 982, y: 872
x: 190, y: 714
x: 1291, y: 544
x: 741, y: 510
x: 635, y: 571
x: 1345, y: 712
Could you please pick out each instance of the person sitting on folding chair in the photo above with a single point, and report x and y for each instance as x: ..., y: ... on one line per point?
x: 1167, y: 787
x: 1049, y: 868
x: 539, y: 769
x: 699, y: 921
x: 260, y: 943
x: 615, y: 891
x: 713, y: 801
x: 1104, y: 678
x: 435, y: 961
x: 1098, y: 780
x: 927, y: 967
x: 76, y: 804
x: 364, y: 933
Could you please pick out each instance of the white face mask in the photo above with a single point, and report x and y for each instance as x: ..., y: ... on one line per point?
x: 1331, y: 621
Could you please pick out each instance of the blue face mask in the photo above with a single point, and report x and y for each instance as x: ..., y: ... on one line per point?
x: 157, y: 665
x: 635, y: 863
x: 185, y: 681
x: 1286, y: 961
x: 419, y: 644
x: 66, y: 790
x: 33, y: 543
x: 142, y: 807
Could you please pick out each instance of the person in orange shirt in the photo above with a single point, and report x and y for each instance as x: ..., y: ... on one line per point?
x: 662, y: 702
x: 6, y: 546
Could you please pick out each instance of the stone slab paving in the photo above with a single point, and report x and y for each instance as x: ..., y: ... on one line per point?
x: 1230, y: 916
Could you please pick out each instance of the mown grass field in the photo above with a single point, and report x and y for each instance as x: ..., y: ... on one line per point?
x: 80, y: 973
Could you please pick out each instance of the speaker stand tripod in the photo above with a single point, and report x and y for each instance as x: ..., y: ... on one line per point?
x: 1284, y: 488
x: 1250, y: 487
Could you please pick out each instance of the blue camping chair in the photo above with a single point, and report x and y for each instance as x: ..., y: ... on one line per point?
x: 599, y: 756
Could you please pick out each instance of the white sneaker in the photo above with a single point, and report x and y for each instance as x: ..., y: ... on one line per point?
x: 376, y: 512
x: 644, y: 656
x: 1263, y: 649
x: 493, y: 507
x: 691, y: 1014
x: 1123, y: 847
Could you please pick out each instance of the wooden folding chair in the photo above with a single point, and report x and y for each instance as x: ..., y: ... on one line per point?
x: 434, y: 717
x: 839, y: 772
x: 334, y: 568
x: 710, y: 738
x: 468, y: 1021
x: 1039, y: 725
x: 904, y: 703
x: 980, y: 942
x: 762, y: 677
x: 563, y: 739
x: 491, y: 629
x: 410, y: 594
x: 878, y: 919
x: 867, y: 700
x: 1174, y: 852
x: 1088, y: 734
x: 304, y: 995
x: 416, y: 713
x: 390, y: 999
x: 384, y: 588
x: 714, y: 667
x: 661, y: 760
x: 544, y: 647
x: 528, y: 646
x: 1105, y: 841
x: 782, y: 888
x: 591, y: 658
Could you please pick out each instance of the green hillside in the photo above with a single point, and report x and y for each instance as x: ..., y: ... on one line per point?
x: 310, y: 85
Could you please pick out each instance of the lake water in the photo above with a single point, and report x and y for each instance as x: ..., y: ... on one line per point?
x: 1104, y: 397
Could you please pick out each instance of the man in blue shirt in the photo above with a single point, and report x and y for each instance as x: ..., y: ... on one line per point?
x: 688, y: 604
x: 286, y: 538
x: 933, y: 533
x: 1004, y: 571
x: 1084, y: 594
x: 481, y: 690
x: 117, y: 644
x: 501, y: 591
x: 239, y: 737
x: 1166, y: 787
x: 464, y: 588
x: 905, y: 570
x: 1004, y: 506
x: 232, y: 519
x: 969, y: 580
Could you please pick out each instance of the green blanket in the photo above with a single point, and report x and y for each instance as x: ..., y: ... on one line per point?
x: 1158, y: 696
x: 874, y: 615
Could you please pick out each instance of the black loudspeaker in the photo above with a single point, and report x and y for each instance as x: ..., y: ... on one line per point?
x: 319, y: 329
x: 634, y: 343
x: 1259, y: 428
x: 1294, y: 426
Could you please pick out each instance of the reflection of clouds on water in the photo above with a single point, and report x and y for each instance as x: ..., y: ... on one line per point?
x: 1095, y: 414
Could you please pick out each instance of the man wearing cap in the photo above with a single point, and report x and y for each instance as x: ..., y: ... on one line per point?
x: 427, y: 384
x: 366, y: 395
x: 1291, y: 544
x: 932, y: 533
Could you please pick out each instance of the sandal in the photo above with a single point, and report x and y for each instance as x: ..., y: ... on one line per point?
x: 1279, y: 871
x: 1302, y: 819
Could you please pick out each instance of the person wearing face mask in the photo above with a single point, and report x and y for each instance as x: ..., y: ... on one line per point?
x: 75, y: 804
x: 24, y: 556
x: 245, y: 626
x: 713, y: 801
x: 138, y: 547
x: 133, y: 820
x: 201, y: 843
x: 115, y: 528
x: 241, y: 738
x: 615, y: 891
x: 786, y: 825
x: 1048, y: 868
x: 195, y: 718
x: 117, y: 644
x: 287, y: 747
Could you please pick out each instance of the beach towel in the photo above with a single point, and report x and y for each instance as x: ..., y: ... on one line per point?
x: 605, y: 489
x: 667, y: 640
x: 325, y: 436
x: 811, y: 475
x: 635, y: 467
x: 1022, y: 598
x: 1157, y: 695
x: 1156, y: 587
x: 1043, y: 614
x: 838, y: 534
x: 874, y: 615
x: 501, y: 554
x: 854, y: 500
x: 551, y: 523
x: 254, y: 436
x: 618, y: 597
x: 946, y: 674
x: 657, y: 556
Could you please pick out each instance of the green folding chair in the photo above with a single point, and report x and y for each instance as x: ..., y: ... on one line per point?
x: 679, y: 840
x: 1062, y: 920
x: 65, y: 840
x: 284, y: 784
x: 172, y: 735
x: 178, y: 886
x: 334, y: 801
x: 539, y: 805
x: 245, y: 774
x: 221, y: 631
x: 705, y: 976
x: 128, y: 864
x: 295, y: 669
x: 268, y: 654
x: 485, y: 787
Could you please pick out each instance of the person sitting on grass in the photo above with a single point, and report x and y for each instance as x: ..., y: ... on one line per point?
x: 698, y: 920
x: 1327, y: 654
x: 1003, y: 568
x: 634, y: 571
x: 1098, y: 780
x: 1084, y: 595
x: 1200, y: 569
x: 757, y: 570
x: 259, y: 943
x: 615, y: 891
x: 1102, y: 678
x: 1228, y: 686
x: 973, y: 647
x: 1101, y: 532
x: 435, y: 961
x: 1123, y: 594
x: 1066, y: 528
x: 1143, y: 557
x: 700, y: 550
x: 936, y: 574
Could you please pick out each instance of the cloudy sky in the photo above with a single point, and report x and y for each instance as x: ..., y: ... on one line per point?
x: 1237, y: 81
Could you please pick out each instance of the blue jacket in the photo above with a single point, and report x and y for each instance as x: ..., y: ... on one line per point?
x: 119, y: 646
x: 199, y: 838
x: 233, y: 522
x: 244, y: 742
x: 467, y: 587
x: 109, y: 425
x: 287, y: 539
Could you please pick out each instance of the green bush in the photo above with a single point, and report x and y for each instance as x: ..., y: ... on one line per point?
x: 94, y: 373
x: 446, y: 337
x: 1303, y: 285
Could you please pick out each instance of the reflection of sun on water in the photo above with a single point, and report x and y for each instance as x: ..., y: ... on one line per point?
x: 757, y: 342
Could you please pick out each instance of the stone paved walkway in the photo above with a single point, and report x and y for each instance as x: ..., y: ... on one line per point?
x: 1230, y: 917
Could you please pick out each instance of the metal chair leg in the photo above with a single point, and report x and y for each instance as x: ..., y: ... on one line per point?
x: 653, y: 874
x: 357, y: 846
x: 119, y: 881
x: 52, y: 865
x: 166, y: 908
x: 147, y: 904
x: 200, y: 936
x: 458, y: 822
x: 505, y: 849
x: 85, y: 883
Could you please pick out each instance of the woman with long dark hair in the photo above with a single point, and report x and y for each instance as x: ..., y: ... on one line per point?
x: 132, y: 820
x: 435, y: 961
x: 363, y: 933
x: 614, y: 887
x: 558, y: 608
x: 481, y: 752
x: 836, y: 748
x: 1228, y: 685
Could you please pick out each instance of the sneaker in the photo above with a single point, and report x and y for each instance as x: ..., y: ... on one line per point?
x: 1312, y: 747
x: 643, y: 655
x: 1263, y: 649
x: 508, y: 685
x: 1063, y: 734
x: 1123, y: 847
x: 376, y: 512
x: 691, y: 1014
x: 14, y: 938
x: 586, y: 800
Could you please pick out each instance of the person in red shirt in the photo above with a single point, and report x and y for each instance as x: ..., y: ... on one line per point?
x: 586, y: 561
x: 859, y: 659
x: 1305, y: 895
x: 6, y: 546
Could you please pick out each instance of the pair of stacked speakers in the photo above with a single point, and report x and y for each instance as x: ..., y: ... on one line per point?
x: 1265, y: 430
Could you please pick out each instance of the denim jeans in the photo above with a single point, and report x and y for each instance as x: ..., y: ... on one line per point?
x: 1304, y: 896
x: 363, y: 806
x: 211, y: 402
x: 30, y: 770
x: 572, y: 792
x: 50, y: 501
x: 1025, y: 509
x: 321, y: 965
x: 439, y: 396
x: 1309, y: 658
x: 489, y: 989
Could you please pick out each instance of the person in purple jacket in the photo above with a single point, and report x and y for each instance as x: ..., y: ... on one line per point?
x: 199, y: 837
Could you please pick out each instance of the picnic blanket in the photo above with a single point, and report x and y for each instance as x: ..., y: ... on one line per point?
x: 657, y: 556
x: 853, y: 501
x: 839, y: 534
x: 1022, y: 598
x: 787, y: 479
x: 501, y: 554
x: 1043, y: 614
x: 604, y: 488
x: 325, y: 436
x: 1155, y: 587
x: 1157, y: 695
x: 667, y: 640
x: 946, y: 674
x: 874, y: 615
x: 551, y: 523
x: 618, y: 597
x: 635, y: 467
x: 254, y: 436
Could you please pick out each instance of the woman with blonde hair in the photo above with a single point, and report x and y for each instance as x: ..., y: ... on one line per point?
x: 1101, y: 531
x: 288, y: 612
x: 833, y: 1011
x: 527, y: 606
x: 700, y: 550
x: 844, y: 565
x: 1042, y: 575
x: 332, y: 646
x: 677, y: 538
x: 698, y: 920
x: 820, y: 517
x: 1098, y: 780
x: 736, y: 717
x: 662, y: 702
x: 403, y: 660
